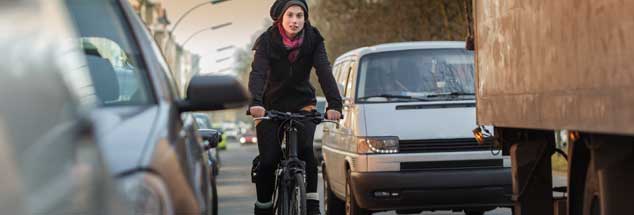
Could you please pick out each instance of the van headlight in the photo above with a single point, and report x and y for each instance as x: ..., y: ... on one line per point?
x: 146, y: 194
x: 380, y: 145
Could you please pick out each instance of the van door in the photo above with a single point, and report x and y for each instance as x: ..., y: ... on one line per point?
x: 342, y: 134
x: 329, y: 136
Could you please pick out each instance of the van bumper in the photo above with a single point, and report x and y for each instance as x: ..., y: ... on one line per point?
x: 437, y: 190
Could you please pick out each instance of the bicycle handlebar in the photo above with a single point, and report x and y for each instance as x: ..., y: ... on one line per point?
x: 313, y: 116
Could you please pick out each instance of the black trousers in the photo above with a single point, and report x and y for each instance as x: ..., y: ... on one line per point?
x: 269, y: 146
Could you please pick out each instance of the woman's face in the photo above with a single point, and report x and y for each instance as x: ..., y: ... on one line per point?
x: 293, y: 20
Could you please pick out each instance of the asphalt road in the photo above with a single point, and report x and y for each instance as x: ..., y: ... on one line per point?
x: 237, y: 193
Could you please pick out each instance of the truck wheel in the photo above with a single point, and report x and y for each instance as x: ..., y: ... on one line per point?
x: 592, y: 198
x: 332, y: 204
x: 352, y: 208
x: 579, y: 162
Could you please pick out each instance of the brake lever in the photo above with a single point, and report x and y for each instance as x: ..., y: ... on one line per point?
x: 261, y: 118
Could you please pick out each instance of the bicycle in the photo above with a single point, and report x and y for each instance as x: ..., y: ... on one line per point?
x: 290, y: 190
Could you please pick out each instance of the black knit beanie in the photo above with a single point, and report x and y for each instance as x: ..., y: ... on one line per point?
x: 279, y: 7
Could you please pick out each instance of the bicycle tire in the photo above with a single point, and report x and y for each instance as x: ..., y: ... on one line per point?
x: 298, y: 196
x: 282, y: 199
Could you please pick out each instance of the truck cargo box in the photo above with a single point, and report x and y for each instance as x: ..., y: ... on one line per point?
x: 551, y: 64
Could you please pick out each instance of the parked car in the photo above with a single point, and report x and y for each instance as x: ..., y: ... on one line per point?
x: 213, y: 138
x: 49, y: 160
x: 148, y: 138
x: 319, y: 129
x: 248, y: 137
x: 409, y: 111
x: 222, y: 145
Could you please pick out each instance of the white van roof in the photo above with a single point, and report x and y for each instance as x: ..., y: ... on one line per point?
x: 387, y: 47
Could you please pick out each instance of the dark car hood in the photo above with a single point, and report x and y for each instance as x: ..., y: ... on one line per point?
x: 123, y: 134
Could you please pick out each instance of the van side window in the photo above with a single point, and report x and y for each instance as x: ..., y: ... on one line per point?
x: 342, y: 78
x: 349, y: 82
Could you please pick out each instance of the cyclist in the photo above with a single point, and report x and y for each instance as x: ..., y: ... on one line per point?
x: 279, y: 80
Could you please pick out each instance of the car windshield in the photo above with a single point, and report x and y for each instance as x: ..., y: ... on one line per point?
x: 118, y: 73
x: 321, y: 106
x: 416, y: 75
x: 203, y: 121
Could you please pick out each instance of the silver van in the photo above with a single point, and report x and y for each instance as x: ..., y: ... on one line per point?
x: 405, y: 143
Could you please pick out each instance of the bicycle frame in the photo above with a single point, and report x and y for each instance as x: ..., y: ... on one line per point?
x: 291, y: 170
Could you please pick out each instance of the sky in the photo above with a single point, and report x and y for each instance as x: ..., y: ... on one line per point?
x: 246, y: 16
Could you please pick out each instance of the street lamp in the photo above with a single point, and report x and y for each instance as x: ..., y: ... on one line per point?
x: 205, y: 29
x: 194, y: 8
x: 225, y: 48
x: 223, y: 59
x: 169, y: 34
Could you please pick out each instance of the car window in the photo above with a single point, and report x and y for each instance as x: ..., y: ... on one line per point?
x: 417, y: 73
x: 342, y: 76
x: 348, y: 85
x: 321, y: 106
x: 116, y: 67
x: 203, y: 121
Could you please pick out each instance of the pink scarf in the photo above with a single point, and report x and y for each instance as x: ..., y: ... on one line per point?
x: 292, y: 45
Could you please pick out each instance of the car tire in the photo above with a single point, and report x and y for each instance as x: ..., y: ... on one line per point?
x: 219, y: 163
x: 352, y: 208
x: 214, y: 204
x: 332, y: 204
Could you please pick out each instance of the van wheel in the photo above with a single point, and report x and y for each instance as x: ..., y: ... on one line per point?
x: 332, y: 204
x: 352, y: 208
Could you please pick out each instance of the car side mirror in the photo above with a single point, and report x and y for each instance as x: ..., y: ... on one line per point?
x: 209, y: 93
x: 211, y: 136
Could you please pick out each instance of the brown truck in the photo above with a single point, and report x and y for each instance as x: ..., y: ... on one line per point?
x: 550, y: 65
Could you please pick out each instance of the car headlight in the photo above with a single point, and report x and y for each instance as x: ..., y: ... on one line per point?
x: 243, y: 140
x: 255, y: 139
x: 146, y: 194
x: 381, y: 145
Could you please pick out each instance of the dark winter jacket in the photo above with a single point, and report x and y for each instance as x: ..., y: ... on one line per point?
x: 277, y: 84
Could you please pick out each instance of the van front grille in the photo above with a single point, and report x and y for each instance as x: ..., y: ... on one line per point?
x: 442, y: 145
x: 450, y: 165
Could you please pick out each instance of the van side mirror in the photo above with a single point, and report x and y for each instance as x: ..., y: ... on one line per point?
x: 347, y: 101
x: 209, y: 93
x: 211, y: 136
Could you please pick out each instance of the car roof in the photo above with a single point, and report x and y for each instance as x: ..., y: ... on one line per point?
x: 401, y: 46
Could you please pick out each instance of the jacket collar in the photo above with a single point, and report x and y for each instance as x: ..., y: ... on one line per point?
x: 278, y: 48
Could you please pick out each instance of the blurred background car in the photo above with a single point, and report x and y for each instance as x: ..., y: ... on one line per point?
x: 231, y: 131
x: 248, y: 137
x: 49, y: 160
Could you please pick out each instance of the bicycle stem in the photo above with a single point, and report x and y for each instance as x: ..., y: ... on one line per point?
x: 291, y: 139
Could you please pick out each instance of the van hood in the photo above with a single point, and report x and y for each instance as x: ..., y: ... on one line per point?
x: 421, y: 120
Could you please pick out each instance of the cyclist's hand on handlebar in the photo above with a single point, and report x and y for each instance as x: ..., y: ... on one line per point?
x: 257, y: 111
x: 333, y: 115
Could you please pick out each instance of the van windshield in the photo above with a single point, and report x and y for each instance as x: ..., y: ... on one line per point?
x: 416, y: 75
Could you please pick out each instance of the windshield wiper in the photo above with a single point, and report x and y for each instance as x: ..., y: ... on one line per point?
x: 450, y: 94
x: 390, y: 96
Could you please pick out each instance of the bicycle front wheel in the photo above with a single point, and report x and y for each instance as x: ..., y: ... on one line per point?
x: 298, y: 196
